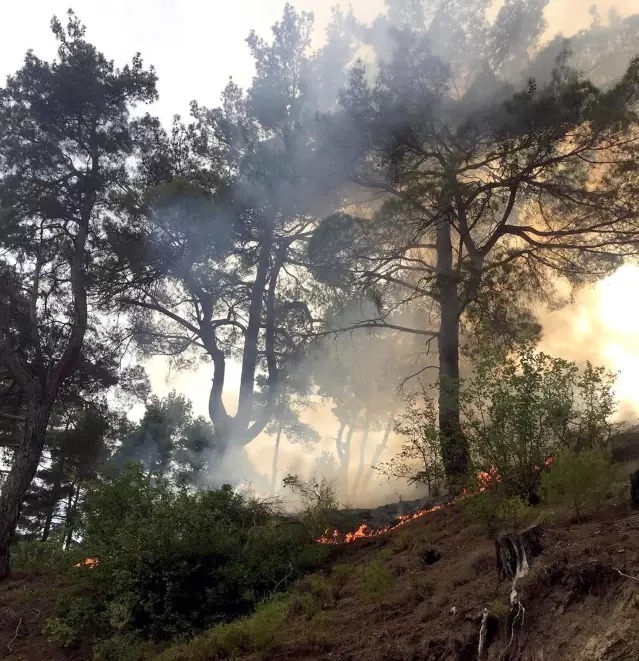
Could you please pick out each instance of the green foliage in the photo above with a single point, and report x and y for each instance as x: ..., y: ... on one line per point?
x: 597, y: 404
x: 420, y: 457
x: 70, y: 620
x: 35, y: 556
x: 169, y: 440
x: 255, y: 633
x: 497, y: 513
x: 340, y: 575
x: 169, y: 563
x: 319, y: 502
x: 522, y: 408
x: 122, y: 647
x: 580, y: 479
x: 376, y: 579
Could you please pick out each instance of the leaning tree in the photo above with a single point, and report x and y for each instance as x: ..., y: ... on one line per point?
x: 209, y: 260
x: 65, y: 135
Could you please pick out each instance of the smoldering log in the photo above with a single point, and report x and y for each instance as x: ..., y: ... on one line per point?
x: 512, y: 550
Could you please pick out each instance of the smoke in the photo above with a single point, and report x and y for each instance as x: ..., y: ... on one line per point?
x: 358, y: 368
x: 601, y: 325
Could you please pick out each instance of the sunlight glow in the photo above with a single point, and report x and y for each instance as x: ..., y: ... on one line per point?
x: 618, y: 316
x: 617, y: 308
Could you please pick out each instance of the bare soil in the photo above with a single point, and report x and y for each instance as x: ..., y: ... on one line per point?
x: 26, y: 601
x: 581, y: 596
x: 581, y: 599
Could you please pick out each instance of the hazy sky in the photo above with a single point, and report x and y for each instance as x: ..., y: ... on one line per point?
x: 195, y: 45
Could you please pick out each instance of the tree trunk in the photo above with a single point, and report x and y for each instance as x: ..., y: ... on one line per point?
x: 454, y: 446
x: 47, y: 522
x: 362, y: 455
x: 55, y: 491
x: 344, y: 455
x: 276, y: 454
x: 250, y: 354
x: 23, y: 469
x: 378, y: 450
x: 41, y: 382
x: 70, y: 518
x: 634, y: 489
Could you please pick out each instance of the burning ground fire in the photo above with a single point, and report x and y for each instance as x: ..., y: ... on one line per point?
x: 485, y: 480
x: 364, y: 531
x: 88, y: 562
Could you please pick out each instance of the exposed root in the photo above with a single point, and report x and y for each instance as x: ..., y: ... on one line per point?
x: 518, y: 614
x: 481, y: 651
x: 513, y: 554
x: 632, y: 578
x: 15, y: 635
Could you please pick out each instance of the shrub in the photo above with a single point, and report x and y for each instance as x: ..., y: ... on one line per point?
x: 255, y: 633
x: 420, y: 460
x: 311, y: 595
x: 169, y: 564
x: 69, y: 623
x: 340, y: 575
x: 34, y: 556
x: 376, y: 579
x: 497, y: 513
x: 523, y: 408
x: 124, y: 647
x: 580, y: 479
x: 319, y: 502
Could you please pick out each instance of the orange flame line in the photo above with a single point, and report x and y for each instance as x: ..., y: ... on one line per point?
x: 484, y: 481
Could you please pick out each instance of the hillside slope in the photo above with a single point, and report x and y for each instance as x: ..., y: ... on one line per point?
x: 419, y: 592
x: 578, y: 604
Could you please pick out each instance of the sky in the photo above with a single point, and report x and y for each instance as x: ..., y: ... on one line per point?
x: 195, y: 45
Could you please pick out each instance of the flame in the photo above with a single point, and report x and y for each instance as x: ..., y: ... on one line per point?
x: 335, y: 537
x: 88, y: 562
x: 485, y: 480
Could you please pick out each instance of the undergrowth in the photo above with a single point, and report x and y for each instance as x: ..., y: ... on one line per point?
x: 169, y: 565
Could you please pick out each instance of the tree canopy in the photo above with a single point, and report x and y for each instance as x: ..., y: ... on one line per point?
x: 364, y: 213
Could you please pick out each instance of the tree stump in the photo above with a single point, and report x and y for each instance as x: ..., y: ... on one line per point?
x: 634, y: 489
x: 514, y: 552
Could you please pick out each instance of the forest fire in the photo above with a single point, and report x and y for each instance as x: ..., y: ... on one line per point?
x: 485, y: 480
x: 364, y: 531
x: 88, y: 562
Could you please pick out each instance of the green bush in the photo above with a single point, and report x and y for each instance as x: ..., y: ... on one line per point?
x: 124, y: 647
x: 376, y: 579
x: 173, y: 562
x: 580, y: 479
x: 497, y: 513
x: 340, y: 575
x: 523, y: 407
x: 70, y: 621
x: 255, y: 633
x: 34, y: 556
x: 420, y: 458
x: 319, y: 502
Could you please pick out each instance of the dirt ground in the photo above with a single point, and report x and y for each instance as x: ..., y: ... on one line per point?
x: 581, y: 599
x: 26, y: 600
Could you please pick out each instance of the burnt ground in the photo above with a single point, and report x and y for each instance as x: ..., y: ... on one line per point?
x: 26, y: 601
x: 578, y: 605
